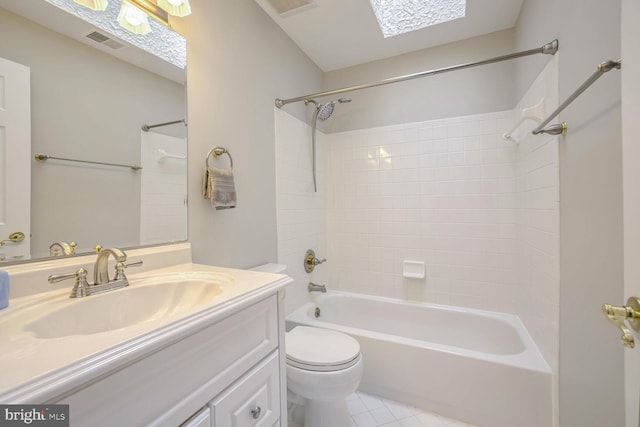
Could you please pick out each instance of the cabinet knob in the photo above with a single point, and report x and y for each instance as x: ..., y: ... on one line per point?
x: 255, y: 413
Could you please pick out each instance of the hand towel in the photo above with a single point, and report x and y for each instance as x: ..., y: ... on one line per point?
x: 218, y: 186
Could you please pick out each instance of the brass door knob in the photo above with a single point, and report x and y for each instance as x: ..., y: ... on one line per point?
x: 630, y: 313
x: 16, y: 237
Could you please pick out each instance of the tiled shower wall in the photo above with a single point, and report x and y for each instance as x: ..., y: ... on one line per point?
x: 301, y: 213
x: 480, y: 211
x: 442, y: 192
x: 538, y: 193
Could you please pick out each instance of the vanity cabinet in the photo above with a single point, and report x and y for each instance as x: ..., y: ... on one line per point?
x: 228, y: 373
x: 201, y: 419
x: 253, y: 400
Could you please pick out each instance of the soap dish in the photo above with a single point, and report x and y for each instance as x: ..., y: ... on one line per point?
x: 413, y: 269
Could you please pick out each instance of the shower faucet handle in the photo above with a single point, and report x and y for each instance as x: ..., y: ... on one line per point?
x: 310, y: 261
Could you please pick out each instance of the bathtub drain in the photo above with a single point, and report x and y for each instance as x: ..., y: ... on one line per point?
x: 317, y: 312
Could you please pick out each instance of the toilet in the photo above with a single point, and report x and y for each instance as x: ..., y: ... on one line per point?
x: 323, y: 368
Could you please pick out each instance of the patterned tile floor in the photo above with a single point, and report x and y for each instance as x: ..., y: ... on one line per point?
x: 371, y: 411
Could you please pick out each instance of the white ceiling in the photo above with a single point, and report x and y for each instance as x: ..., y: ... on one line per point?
x: 341, y: 33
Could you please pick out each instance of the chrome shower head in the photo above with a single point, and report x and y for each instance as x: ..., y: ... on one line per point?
x: 322, y: 113
x: 326, y: 110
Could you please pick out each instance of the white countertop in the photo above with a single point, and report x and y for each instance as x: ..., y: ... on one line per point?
x: 38, y: 370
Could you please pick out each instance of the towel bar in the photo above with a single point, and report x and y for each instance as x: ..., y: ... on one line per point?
x: 218, y: 151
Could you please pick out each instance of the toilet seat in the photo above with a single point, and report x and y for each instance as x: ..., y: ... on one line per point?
x: 321, y: 350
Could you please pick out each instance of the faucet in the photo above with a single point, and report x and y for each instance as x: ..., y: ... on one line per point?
x: 100, y: 269
x: 312, y: 287
x: 102, y: 282
x: 62, y: 248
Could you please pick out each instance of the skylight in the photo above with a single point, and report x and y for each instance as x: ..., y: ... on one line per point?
x: 402, y: 16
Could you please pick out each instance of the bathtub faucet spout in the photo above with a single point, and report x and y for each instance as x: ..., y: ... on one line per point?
x: 316, y: 288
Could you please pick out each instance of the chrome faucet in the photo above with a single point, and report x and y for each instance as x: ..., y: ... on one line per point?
x: 100, y: 269
x: 62, y: 249
x: 312, y: 287
x: 102, y: 282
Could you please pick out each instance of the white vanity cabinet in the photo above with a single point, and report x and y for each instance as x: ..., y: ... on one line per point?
x: 200, y: 419
x: 227, y: 373
x: 253, y: 401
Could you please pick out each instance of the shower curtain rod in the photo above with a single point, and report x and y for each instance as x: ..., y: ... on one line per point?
x: 548, y: 49
x: 147, y: 127
x: 602, y: 68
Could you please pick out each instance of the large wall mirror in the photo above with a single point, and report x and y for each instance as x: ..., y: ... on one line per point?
x: 87, y: 103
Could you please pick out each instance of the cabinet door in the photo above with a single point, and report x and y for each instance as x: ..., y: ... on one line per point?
x: 253, y: 401
x: 201, y: 419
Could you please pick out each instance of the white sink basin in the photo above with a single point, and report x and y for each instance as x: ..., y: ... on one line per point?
x: 146, y: 299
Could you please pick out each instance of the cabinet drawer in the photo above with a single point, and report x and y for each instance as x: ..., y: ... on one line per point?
x: 253, y: 401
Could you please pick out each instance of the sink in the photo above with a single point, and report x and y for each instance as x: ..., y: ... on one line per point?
x: 144, y: 300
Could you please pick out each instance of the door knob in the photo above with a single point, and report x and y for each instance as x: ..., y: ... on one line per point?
x: 16, y: 237
x: 617, y: 315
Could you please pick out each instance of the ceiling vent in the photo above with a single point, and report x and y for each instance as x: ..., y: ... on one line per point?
x: 290, y: 7
x: 102, y: 39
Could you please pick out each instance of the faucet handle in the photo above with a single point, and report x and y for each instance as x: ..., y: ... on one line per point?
x: 81, y: 286
x: 310, y: 261
x: 120, y: 267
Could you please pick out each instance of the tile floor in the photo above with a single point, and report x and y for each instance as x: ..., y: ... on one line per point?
x: 371, y: 411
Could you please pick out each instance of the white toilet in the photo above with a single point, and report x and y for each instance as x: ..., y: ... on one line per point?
x: 323, y: 367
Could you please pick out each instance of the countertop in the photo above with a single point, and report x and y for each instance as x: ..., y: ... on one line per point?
x: 38, y: 370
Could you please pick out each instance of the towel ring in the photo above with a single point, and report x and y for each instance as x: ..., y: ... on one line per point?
x: 218, y: 151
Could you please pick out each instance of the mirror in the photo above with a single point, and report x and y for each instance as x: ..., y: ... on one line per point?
x: 87, y: 104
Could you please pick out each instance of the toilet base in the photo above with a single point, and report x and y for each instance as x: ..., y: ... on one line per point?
x: 326, y: 413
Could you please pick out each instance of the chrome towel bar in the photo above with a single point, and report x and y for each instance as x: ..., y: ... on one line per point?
x: 561, y: 129
x: 146, y: 128
x: 42, y: 157
x: 218, y: 151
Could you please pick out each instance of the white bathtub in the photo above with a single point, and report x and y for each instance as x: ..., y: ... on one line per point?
x: 477, y: 366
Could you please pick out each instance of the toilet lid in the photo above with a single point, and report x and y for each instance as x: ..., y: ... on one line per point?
x: 321, y: 349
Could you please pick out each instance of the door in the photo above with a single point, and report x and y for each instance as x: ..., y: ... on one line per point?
x: 15, y: 160
x: 631, y: 190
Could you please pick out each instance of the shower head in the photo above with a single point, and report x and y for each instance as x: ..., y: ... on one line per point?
x: 324, y: 111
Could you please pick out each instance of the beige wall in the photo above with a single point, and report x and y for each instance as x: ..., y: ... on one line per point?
x: 239, y: 62
x: 591, y: 357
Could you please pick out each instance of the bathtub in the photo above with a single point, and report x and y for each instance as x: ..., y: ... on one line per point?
x: 477, y: 366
